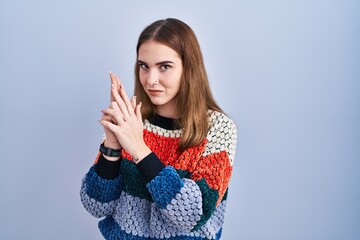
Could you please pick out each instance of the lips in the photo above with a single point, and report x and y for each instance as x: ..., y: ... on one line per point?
x: 154, y: 92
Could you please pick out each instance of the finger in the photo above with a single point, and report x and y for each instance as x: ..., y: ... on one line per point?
x: 133, y: 102
x: 118, y: 82
x: 126, y: 99
x: 120, y: 102
x: 106, y: 117
x: 138, y: 111
x: 109, y: 125
x: 109, y: 118
x: 113, y: 81
x: 114, y: 115
x: 122, y: 92
x: 116, y: 108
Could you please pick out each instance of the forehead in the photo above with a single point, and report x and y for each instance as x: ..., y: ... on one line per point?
x: 152, y: 51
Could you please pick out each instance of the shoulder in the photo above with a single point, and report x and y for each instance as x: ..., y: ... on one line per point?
x: 222, y: 134
x: 221, y: 120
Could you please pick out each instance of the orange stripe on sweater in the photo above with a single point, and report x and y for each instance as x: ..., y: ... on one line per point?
x: 214, y: 168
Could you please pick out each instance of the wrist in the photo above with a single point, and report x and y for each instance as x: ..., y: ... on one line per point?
x: 141, y: 154
x: 112, y: 159
x: 109, y: 153
x: 113, y: 145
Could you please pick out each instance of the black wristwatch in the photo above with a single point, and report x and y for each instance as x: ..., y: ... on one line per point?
x: 109, y: 151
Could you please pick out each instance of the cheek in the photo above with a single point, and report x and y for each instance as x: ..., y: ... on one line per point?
x: 177, y: 79
x: 142, y: 79
x: 171, y: 81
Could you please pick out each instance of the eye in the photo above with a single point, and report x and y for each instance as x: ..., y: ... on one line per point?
x: 143, y: 66
x: 165, y: 67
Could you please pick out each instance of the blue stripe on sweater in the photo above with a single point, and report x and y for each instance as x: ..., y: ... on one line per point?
x: 164, y: 187
x: 112, y: 231
x: 100, y: 189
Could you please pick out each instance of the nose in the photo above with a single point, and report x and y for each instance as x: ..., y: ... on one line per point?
x: 153, y: 78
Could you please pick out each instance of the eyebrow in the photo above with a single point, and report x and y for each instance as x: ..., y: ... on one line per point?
x: 157, y: 64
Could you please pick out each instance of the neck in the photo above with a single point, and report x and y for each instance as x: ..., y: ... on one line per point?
x: 166, y: 112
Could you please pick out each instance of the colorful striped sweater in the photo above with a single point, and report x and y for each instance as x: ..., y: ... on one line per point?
x: 169, y: 194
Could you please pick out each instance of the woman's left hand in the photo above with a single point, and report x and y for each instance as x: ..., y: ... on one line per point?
x: 128, y: 128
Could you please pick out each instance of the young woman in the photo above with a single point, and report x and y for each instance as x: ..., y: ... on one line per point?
x: 163, y: 169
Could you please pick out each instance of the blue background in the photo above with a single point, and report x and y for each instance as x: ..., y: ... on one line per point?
x: 288, y: 73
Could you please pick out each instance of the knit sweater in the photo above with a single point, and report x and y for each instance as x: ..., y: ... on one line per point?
x: 169, y: 194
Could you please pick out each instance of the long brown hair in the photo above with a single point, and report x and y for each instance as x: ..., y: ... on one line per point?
x: 194, y: 98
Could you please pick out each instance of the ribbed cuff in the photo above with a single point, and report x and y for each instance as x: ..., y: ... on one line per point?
x: 150, y: 167
x: 107, y: 169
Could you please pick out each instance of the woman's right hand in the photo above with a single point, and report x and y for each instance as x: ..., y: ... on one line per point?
x: 111, y: 140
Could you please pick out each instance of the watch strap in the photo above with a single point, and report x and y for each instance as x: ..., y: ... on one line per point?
x: 109, y: 151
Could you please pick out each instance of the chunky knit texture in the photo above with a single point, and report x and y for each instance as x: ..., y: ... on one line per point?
x: 169, y: 194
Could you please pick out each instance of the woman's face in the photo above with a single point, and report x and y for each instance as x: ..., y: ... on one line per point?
x: 160, y: 74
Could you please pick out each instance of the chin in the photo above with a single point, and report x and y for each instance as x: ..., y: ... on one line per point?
x: 157, y: 103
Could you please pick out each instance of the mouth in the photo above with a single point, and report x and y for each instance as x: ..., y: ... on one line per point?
x: 154, y: 92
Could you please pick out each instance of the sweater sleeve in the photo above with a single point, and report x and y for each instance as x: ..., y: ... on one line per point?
x: 101, y: 187
x: 188, y: 203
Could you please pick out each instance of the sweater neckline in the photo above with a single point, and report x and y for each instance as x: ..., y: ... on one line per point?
x: 164, y: 122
